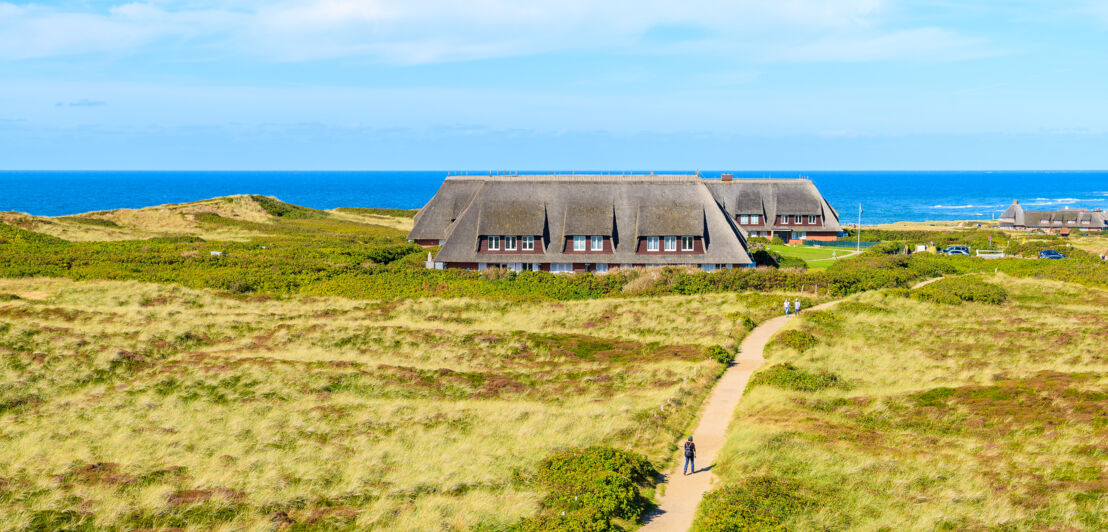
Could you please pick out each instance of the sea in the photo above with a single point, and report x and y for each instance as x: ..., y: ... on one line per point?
x: 883, y: 197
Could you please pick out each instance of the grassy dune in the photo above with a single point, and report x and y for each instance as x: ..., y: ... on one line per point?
x: 908, y: 415
x: 129, y: 405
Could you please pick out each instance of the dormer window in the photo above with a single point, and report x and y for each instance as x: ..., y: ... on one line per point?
x: 813, y: 220
x: 494, y: 243
x: 671, y: 243
x: 579, y: 243
x: 596, y: 243
x: 686, y: 243
x: 652, y: 243
x: 509, y: 243
x: 528, y: 243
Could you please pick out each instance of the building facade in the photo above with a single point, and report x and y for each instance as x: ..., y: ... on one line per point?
x: 1061, y: 221
x: 593, y: 223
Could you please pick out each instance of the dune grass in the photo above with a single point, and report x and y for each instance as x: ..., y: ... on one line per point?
x: 130, y: 405
x: 910, y: 415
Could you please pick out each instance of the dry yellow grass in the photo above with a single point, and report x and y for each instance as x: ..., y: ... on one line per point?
x: 130, y: 405
x: 943, y: 417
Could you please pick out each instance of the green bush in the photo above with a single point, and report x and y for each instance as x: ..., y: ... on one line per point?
x: 721, y: 355
x: 857, y: 307
x: 589, y: 487
x: 760, y: 503
x: 823, y: 318
x: 777, y: 240
x: 956, y: 290
x: 789, y: 377
x: 9, y: 297
x: 794, y: 339
x: 280, y: 209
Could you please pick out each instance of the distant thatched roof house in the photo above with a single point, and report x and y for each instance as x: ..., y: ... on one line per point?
x: 1061, y: 221
x: 596, y: 222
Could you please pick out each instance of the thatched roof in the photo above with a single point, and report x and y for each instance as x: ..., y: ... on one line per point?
x: 769, y: 198
x: 619, y: 207
x: 670, y: 219
x: 512, y: 218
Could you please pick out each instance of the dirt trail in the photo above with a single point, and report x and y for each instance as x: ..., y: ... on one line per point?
x: 677, y: 507
x: 683, y: 493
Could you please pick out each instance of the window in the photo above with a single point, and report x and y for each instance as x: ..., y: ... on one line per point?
x: 686, y: 243
x: 652, y: 243
x: 578, y: 243
x: 597, y: 243
x: 744, y: 219
x: 561, y: 268
x: 786, y: 219
x: 528, y: 243
x: 601, y: 268
x: 671, y: 243
x: 813, y: 220
x: 753, y: 218
x: 510, y: 243
x: 494, y: 243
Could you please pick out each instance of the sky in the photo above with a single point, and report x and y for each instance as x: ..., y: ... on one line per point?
x: 554, y: 84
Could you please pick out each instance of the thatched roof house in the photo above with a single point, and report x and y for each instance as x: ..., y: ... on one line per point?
x: 1060, y: 221
x: 596, y: 222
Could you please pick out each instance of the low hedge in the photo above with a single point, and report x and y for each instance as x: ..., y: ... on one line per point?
x: 956, y: 290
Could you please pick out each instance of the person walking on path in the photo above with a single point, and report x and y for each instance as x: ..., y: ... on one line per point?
x: 796, y: 306
x: 690, y: 455
x: 786, y: 307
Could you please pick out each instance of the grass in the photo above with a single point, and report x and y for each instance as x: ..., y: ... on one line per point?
x: 136, y: 405
x: 974, y: 416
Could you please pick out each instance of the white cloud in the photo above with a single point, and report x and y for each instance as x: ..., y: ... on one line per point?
x: 417, y: 31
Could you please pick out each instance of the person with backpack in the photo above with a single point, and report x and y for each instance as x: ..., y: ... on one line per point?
x: 690, y: 455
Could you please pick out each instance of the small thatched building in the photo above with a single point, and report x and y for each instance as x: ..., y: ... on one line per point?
x: 1060, y: 221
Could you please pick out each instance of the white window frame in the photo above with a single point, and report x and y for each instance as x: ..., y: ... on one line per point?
x: 560, y: 268
x: 687, y: 240
x: 578, y: 243
x: 494, y: 243
x: 652, y: 243
x: 670, y: 243
x: 813, y: 219
x: 753, y: 218
x: 509, y: 243
x: 744, y: 218
x: 787, y: 220
x: 596, y: 243
x: 528, y: 243
x: 601, y: 268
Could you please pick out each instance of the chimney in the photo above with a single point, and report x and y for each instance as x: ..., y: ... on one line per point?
x: 726, y: 178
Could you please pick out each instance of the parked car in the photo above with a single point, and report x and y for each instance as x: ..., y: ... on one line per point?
x: 958, y: 252
x: 955, y: 250
x: 1050, y: 254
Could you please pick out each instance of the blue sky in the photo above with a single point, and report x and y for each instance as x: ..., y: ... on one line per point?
x: 563, y: 84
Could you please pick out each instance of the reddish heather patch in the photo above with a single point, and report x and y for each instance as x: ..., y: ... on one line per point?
x: 97, y: 473
x: 182, y: 497
x: 341, y: 513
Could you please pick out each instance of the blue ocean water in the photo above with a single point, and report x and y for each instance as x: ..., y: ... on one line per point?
x: 884, y: 196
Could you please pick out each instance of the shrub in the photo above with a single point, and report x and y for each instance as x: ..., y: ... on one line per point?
x: 9, y: 297
x: 795, y: 339
x: 760, y: 503
x: 777, y: 240
x: 956, y: 290
x: 744, y: 320
x: 588, y: 487
x: 824, y: 318
x: 858, y: 307
x: 721, y: 355
x: 789, y: 377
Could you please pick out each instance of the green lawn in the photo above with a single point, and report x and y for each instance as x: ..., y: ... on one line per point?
x: 813, y: 256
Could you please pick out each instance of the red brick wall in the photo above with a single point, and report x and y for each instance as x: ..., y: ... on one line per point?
x: 461, y: 265
x: 698, y: 247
